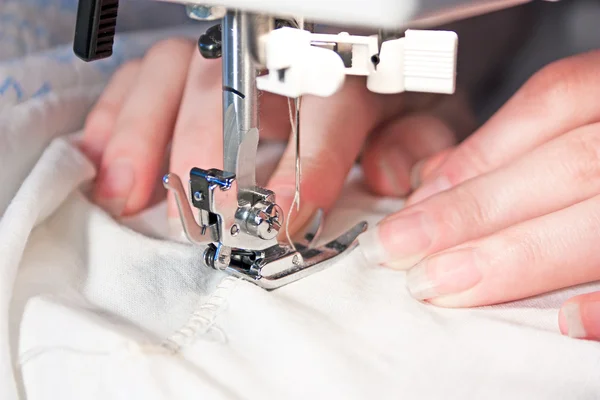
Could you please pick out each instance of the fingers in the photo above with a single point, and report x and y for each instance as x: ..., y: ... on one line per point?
x: 274, y: 117
x: 101, y: 121
x: 554, y: 101
x: 198, y: 137
x: 387, y: 161
x: 132, y: 159
x: 332, y: 133
x: 580, y: 317
x: 528, y: 188
x: 538, y: 256
x: 392, y: 161
x: 423, y: 169
x: 198, y: 140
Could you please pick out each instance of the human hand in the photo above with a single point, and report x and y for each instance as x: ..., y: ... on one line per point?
x: 513, y: 211
x: 175, y: 94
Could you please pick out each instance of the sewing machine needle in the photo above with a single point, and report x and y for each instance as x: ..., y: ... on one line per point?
x: 295, y: 122
x: 298, y: 166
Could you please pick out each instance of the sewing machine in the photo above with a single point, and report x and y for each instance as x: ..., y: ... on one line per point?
x: 239, y: 222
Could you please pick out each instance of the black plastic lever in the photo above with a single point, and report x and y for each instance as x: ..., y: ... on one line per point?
x: 95, y: 29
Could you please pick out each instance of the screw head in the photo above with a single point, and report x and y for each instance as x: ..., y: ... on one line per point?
x: 270, y: 222
x: 205, y: 13
x: 198, y: 196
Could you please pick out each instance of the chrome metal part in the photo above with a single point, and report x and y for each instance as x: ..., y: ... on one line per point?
x: 239, y: 221
x: 196, y: 234
x: 205, y: 12
x: 246, y: 152
x: 222, y: 257
x: 221, y: 211
x: 258, y: 27
x: 239, y: 84
x: 271, y: 265
x: 281, y: 265
x: 264, y: 220
x: 297, y: 165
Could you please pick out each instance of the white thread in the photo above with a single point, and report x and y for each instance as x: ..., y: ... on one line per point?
x: 201, y: 322
x: 296, y: 201
x: 295, y: 125
x: 130, y: 347
x: 36, y: 352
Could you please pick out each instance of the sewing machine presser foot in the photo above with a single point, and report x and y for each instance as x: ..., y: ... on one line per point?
x: 244, y: 243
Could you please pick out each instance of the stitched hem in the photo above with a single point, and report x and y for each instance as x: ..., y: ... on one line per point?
x: 202, y: 321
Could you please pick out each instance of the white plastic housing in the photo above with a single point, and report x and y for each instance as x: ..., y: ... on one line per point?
x: 369, y: 13
x: 430, y: 61
x: 422, y: 61
x: 297, y: 68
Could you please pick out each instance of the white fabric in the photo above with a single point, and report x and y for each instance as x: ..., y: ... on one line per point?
x: 91, y: 308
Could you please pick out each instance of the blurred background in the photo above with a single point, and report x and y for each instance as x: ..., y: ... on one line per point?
x: 498, y: 52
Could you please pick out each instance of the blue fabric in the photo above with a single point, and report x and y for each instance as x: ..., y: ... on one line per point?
x: 43, y: 30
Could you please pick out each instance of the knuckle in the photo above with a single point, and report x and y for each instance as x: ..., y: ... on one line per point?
x: 467, y: 211
x: 137, y: 127
x: 192, y: 129
x: 471, y: 160
x: 101, y: 119
x: 170, y: 47
x: 121, y: 146
x: 129, y: 67
x: 552, y: 87
x: 518, y: 248
x: 334, y: 164
x: 583, y: 152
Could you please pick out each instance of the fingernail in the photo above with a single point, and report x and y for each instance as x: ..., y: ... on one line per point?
x: 114, y: 185
x: 415, y: 174
x: 392, y: 164
x: 398, y: 243
x: 371, y: 247
x: 443, y: 274
x: 572, y: 314
x: 438, y: 185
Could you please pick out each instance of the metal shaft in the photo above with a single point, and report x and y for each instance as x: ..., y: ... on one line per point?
x: 239, y: 84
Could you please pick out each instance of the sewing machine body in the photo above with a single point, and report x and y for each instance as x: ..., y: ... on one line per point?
x: 378, y: 14
x: 238, y: 222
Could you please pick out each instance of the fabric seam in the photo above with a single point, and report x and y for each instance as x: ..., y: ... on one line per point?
x: 202, y: 321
